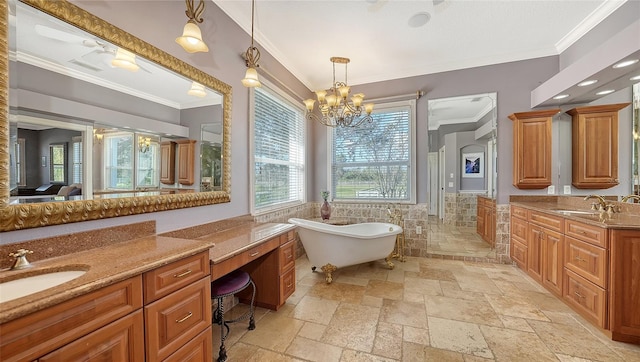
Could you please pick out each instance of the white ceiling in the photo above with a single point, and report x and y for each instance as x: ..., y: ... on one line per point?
x: 376, y: 36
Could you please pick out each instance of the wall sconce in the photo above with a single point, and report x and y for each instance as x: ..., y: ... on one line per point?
x: 197, y: 90
x: 97, y: 136
x: 144, y: 143
x: 126, y: 60
x: 191, y: 39
x: 251, y: 58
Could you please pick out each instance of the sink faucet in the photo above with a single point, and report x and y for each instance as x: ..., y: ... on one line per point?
x: 603, y: 204
x: 21, y: 261
x: 631, y: 197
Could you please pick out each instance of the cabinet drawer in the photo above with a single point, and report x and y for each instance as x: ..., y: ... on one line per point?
x: 171, y: 277
x: 175, y: 319
x: 591, y: 234
x: 519, y: 253
x: 122, y: 340
x: 586, y: 298
x: 287, y: 284
x: 196, y: 350
x: 548, y: 221
x: 519, y: 229
x: 586, y: 260
x: 288, y: 236
x: 262, y: 249
x: 41, y: 332
x: 519, y: 212
x: 287, y: 256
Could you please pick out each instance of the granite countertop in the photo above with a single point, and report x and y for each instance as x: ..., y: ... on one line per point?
x: 618, y: 220
x: 107, y: 265
x: 232, y: 242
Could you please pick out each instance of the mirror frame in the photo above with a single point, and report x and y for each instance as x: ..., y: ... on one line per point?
x: 23, y: 216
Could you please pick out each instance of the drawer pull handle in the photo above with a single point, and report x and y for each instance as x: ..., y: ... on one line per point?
x: 184, y: 273
x: 579, y: 295
x: 578, y: 258
x: 189, y: 315
x: 289, y: 286
x: 254, y: 254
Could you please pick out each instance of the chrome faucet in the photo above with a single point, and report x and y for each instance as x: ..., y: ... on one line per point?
x: 631, y: 197
x: 21, y: 261
x: 601, y: 202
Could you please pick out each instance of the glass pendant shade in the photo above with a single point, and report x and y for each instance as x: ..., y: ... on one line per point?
x: 191, y: 39
x: 251, y: 78
x: 126, y: 60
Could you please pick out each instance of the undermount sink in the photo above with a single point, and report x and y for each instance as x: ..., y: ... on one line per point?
x: 577, y: 212
x: 27, y: 285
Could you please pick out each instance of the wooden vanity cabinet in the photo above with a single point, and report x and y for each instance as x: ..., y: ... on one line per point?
x: 595, y: 146
x: 486, y: 219
x: 164, y: 314
x: 532, y: 148
x: 186, y: 161
x: 168, y: 162
x: 519, y: 229
x: 624, y: 308
x: 545, y: 250
x: 177, y: 306
x: 99, y: 323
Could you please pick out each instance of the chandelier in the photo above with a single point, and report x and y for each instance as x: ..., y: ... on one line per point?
x: 336, y: 109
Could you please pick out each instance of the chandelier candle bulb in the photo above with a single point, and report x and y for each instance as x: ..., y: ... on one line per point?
x: 368, y: 108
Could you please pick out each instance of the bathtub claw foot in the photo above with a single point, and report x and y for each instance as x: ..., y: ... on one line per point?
x: 327, y: 269
x: 389, y: 263
x: 313, y: 268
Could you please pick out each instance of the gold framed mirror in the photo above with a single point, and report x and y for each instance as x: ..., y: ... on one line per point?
x: 29, y: 215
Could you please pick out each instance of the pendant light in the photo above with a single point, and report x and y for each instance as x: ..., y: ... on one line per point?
x: 191, y: 39
x: 251, y: 58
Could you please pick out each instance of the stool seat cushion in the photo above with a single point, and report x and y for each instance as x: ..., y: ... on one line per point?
x: 230, y: 283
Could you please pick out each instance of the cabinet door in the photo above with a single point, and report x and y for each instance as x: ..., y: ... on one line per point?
x: 167, y: 162
x: 625, y: 283
x: 122, y: 340
x: 595, y: 146
x: 534, y: 251
x: 186, y: 161
x: 552, y: 261
x: 532, y: 149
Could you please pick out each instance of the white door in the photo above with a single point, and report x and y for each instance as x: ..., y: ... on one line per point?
x: 441, y: 173
x: 433, y: 183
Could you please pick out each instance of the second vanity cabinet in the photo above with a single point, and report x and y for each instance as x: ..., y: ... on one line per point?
x: 486, y: 219
x: 186, y: 161
x: 163, y: 314
x: 595, y: 270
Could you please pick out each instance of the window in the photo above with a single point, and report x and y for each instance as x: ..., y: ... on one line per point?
x: 129, y: 165
x: 76, y: 160
x: 58, y: 163
x: 278, y: 150
x: 375, y: 160
x: 20, y: 165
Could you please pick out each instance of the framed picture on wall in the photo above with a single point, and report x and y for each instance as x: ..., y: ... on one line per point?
x: 473, y: 164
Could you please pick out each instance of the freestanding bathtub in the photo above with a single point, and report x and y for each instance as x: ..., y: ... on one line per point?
x: 335, y: 246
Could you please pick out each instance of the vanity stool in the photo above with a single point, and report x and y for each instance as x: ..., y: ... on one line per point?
x: 231, y: 284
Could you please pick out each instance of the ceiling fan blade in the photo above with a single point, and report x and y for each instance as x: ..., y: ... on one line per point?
x: 59, y: 35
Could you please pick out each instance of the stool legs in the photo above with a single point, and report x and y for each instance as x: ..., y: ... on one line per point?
x: 218, y: 318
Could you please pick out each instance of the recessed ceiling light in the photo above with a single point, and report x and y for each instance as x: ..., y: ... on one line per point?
x: 561, y: 96
x: 601, y: 93
x: 637, y: 77
x: 419, y: 19
x: 587, y: 82
x: 626, y: 63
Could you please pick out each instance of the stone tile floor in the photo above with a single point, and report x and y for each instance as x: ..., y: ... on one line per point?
x: 456, y: 240
x: 423, y: 309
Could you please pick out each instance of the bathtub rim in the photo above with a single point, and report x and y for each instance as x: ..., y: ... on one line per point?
x: 344, y: 230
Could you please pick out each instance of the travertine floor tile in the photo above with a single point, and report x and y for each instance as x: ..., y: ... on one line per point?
x: 310, y: 350
x: 264, y: 336
x: 248, y: 353
x: 458, y: 336
x: 312, y: 331
x: 510, y: 345
x: 384, y: 289
x: 515, y: 307
x: 478, y: 311
x: 405, y: 313
x: 415, y: 352
x: 359, y: 356
x: 338, y: 291
x: 422, y: 286
x: 573, y: 341
x: 352, y: 326
x: 314, y: 309
x: 415, y: 335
